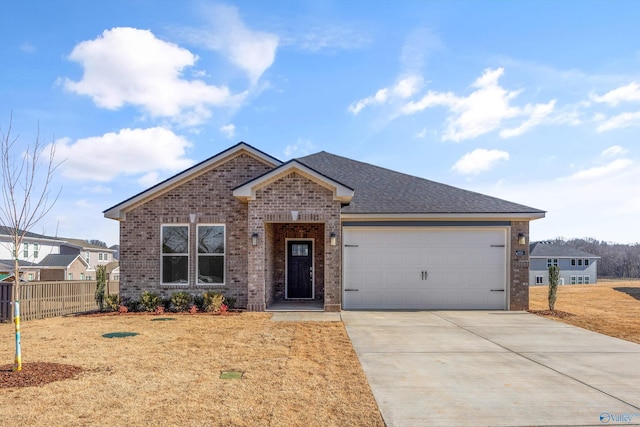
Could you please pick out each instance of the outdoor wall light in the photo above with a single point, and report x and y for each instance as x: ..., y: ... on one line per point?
x: 294, y: 215
x: 521, y: 239
x: 334, y: 238
x: 254, y: 239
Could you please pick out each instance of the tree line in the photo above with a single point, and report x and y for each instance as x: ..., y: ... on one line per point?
x: 619, y: 261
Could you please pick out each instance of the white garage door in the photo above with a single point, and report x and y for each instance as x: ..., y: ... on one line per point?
x: 425, y: 268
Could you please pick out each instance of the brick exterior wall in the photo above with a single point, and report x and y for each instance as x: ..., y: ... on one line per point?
x: 210, y: 197
x: 319, y: 216
x: 519, y: 266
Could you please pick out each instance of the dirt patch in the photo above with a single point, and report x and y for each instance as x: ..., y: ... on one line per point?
x: 36, y: 374
x: 552, y: 313
x: 609, y: 307
x: 293, y: 373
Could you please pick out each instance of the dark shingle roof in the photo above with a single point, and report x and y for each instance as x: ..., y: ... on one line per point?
x: 550, y: 250
x: 7, y: 231
x: 57, y: 260
x: 380, y: 190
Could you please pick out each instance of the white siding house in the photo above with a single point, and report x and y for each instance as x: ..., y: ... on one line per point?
x: 576, y: 267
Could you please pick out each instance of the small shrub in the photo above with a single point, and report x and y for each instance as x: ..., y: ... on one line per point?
x: 212, y: 301
x: 159, y: 309
x: 150, y: 300
x: 132, y: 305
x: 198, y: 301
x: 181, y: 301
x: 113, y: 301
x: 101, y: 282
x: 193, y: 309
x: 554, y: 274
x: 224, y: 309
x: 166, y: 303
x: 230, y: 302
x: 123, y: 309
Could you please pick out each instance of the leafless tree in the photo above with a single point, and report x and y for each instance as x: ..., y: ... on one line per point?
x: 27, y: 174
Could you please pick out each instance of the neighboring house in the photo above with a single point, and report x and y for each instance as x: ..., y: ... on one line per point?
x: 65, y: 267
x: 325, y: 228
x: 94, y: 255
x: 576, y: 267
x: 116, y: 251
x: 29, y: 270
x: 34, y: 248
x: 113, y: 271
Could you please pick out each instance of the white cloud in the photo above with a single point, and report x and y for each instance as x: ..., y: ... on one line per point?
x: 318, y: 37
x: 486, y: 109
x: 228, y: 130
x: 132, y: 66
x: 619, y: 121
x: 27, y: 47
x: 602, y: 171
x: 628, y: 93
x: 250, y: 50
x: 604, y: 206
x: 97, y: 189
x: 128, y: 152
x: 302, y: 147
x: 537, y: 114
x: 479, y: 160
x: 404, y: 88
x: 418, y: 46
x: 613, y: 151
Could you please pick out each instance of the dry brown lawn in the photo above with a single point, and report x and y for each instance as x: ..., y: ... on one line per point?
x: 609, y: 307
x: 294, y: 374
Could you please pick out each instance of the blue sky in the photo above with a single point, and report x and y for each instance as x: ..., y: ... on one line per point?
x: 536, y: 102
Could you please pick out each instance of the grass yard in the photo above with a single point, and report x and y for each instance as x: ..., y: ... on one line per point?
x: 293, y: 374
x: 609, y: 307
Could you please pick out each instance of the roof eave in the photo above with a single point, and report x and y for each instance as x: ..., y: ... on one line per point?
x: 520, y: 216
x: 247, y: 191
x: 118, y: 213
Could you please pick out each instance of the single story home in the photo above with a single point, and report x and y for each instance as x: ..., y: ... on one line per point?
x: 576, y: 267
x: 65, y: 267
x: 324, y: 228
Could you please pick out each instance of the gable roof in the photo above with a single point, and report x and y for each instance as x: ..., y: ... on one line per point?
x: 83, y: 244
x: 550, y: 250
x: 117, y: 211
x: 8, y: 232
x: 384, y: 191
x: 58, y: 260
x: 247, y: 191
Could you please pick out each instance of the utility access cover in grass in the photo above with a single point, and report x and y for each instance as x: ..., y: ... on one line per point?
x: 120, y: 334
x: 231, y: 375
x: 162, y: 319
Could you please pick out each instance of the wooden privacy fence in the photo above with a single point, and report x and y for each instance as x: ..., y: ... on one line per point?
x: 50, y: 299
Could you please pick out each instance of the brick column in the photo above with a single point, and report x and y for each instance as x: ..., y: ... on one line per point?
x: 519, y: 286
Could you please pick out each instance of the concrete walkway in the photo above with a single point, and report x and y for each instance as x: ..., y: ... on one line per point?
x: 479, y: 368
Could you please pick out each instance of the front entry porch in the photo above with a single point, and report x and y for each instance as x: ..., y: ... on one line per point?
x: 295, y: 264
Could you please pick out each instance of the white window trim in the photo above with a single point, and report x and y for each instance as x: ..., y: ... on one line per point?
x: 224, y: 255
x: 162, y: 255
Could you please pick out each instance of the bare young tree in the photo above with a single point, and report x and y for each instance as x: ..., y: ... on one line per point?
x: 27, y: 174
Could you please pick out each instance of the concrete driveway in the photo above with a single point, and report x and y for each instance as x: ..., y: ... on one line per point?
x: 479, y: 368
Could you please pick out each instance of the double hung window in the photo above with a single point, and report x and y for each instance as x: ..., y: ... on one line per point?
x: 175, y: 254
x: 211, y: 254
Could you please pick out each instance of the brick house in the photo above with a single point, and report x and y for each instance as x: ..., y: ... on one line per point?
x: 324, y: 228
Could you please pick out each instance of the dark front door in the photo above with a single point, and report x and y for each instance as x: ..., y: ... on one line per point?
x: 299, y: 269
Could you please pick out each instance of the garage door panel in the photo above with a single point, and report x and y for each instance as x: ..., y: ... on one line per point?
x: 463, y: 266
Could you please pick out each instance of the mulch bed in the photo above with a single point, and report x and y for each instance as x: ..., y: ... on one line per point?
x: 36, y: 374
x: 552, y: 313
